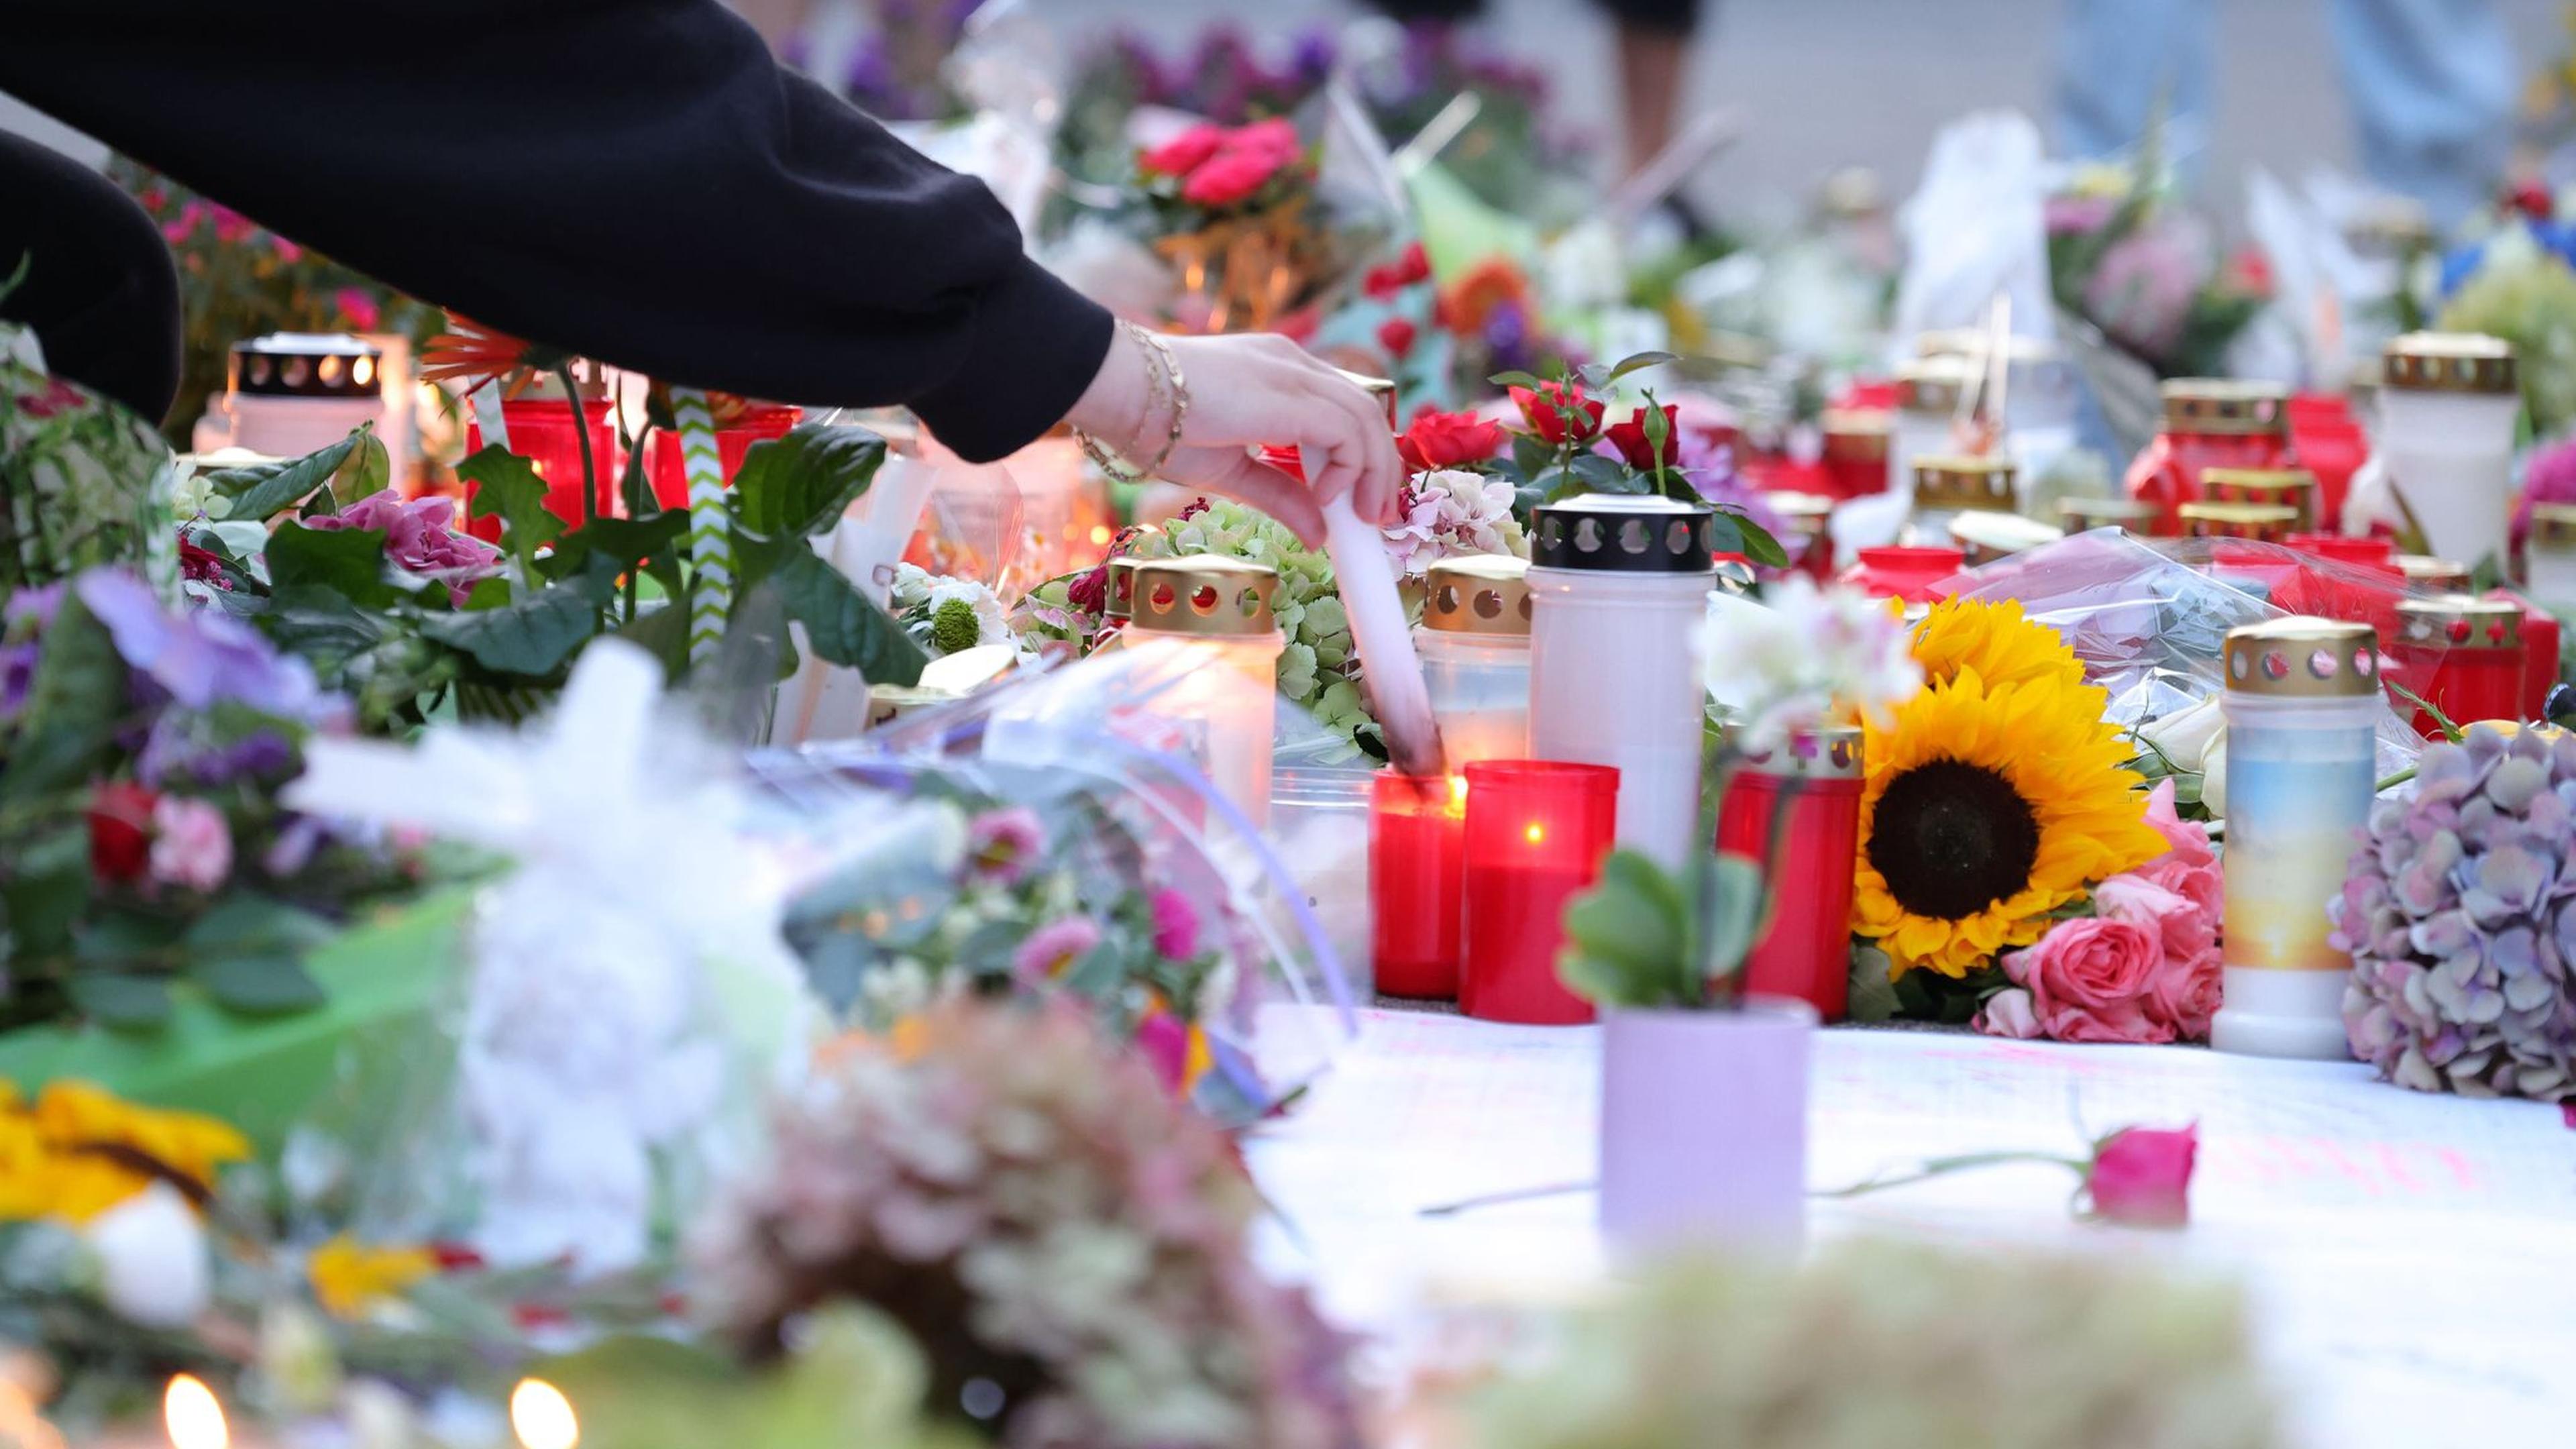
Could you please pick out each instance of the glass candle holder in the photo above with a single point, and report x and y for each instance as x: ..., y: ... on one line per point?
x: 2540, y: 640
x: 1224, y: 603
x: 2302, y: 695
x: 1928, y: 391
x: 2330, y: 444
x: 1475, y: 648
x: 1946, y: 486
x: 1417, y: 832
x: 1536, y: 832
x: 1900, y: 572
x: 1856, y: 445
x: 2369, y: 553
x: 2209, y: 422
x: 2549, y: 556
x: 2291, y: 488
x: 1619, y: 587
x: 541, y: 430
x: 2447, y: 408
x: 758, y: 424
x: 2461, y: 655
x: 2080, y: 515
x: 1799, y: 807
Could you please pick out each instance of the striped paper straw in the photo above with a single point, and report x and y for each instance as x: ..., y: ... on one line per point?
x: 710, y: 550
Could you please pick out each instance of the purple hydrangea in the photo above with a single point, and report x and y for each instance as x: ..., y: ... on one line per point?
x: 2459, y: 910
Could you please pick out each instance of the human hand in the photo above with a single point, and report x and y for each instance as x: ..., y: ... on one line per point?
x: 1245, y: 392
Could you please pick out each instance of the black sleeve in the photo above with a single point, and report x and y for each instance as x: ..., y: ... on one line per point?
x: 634, y: 180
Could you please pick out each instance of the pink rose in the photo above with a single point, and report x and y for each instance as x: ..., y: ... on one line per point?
x: 419, y: 541
x: 2088, y: 980
x: 2187, y: 993
x: 1184, y: 153
x: 2182, y: 927
x: 2008, y: 1013
x: 2142, y: 1176
x: 191, y: 845
x: 357, y: 309
x: 1229, y: 178
x: 2188, y: 839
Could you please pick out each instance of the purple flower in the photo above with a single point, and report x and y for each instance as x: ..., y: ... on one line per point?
x: 35, y: 603
x: 1176, y: 925
x: 177, y: 752
x: 293, y: 849
x: 1052, y: 949
x: 1001, y: 845
x: 2549, y: 477
x: 419, y: 541
x: 200, y: 658
x: 17, y: 675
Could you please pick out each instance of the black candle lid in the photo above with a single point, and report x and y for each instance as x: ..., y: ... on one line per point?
x: 1632, y: 533
x: 307, y: 364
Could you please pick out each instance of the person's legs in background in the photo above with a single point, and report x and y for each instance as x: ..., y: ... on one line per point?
x: 100, y: 291
x: 2117, y: 62
x: 1654, y: 50
x: 2432, y: 90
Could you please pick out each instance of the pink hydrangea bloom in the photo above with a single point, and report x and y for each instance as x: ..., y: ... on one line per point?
x: 419, y: 540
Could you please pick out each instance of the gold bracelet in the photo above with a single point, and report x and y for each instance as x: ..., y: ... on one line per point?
x: 1164, y: 386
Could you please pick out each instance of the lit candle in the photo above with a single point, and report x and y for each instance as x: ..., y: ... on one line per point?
x: 1416, y: 830
x: 192, y: 1415
x: 1475, y: 645
x: 1805, y: 951
x: 542, y: 1417
x: 1536, y: 831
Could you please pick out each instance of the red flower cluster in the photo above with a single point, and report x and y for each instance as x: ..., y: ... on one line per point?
x: 1448, y: 440
x: 1545, y: 409
x: 1221, y: 167
x: 1384, y: 282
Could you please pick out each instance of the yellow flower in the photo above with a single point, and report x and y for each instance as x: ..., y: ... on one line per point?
x: 348, y: 1278
x: 79, y: 1150
x: 1984, y: 808
x: 1994, y: 639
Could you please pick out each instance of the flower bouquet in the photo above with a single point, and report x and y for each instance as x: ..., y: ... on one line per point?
x: 2125, y: 256
x: 1232, y: 211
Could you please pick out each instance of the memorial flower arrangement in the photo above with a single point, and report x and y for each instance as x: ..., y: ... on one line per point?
x: 2458, y: 916
x: 945, y: 615
x: 2012, y: 1352
x: 2124, y: 254
x: 1067, y: 1245
x: 1232, y: 211
x: 84, y: 481
x: 143, y: 845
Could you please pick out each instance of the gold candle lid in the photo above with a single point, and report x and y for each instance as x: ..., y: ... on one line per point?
x: 2083, y: 513
x: 2553, y: 525
x: 1825, y: 752
x: 2428, y: 572
x: 1203, y: 593
x: 1963, y: 483
x: 1856, y: 435
x: 1984, y: 537
x: 1934, y: 384
x: 1380, y: 388
x: 2448, y: 362
x: 1118, y: 601
x: 2303, y: 657
x: 2224, y: 405
x: 2460, y: 621
x: 1484, y: 594
x: 2267, y: 522
x: 1975, y: 343
x: 2294, y: 488
x: 1793, y: 507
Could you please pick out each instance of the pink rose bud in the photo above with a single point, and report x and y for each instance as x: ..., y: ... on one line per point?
x: 2142, y: 1176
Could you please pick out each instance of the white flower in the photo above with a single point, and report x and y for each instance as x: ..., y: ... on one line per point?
x: 1451, y: 513
x: 2213, y: 778
x: 1802, y: 654
x: 992, y: 621
x: 193, y: 497
x: 911, y: 587
x: 151, y: 1249
x: 2184, y: 737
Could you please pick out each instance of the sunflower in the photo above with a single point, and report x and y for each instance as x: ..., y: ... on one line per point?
x: 1996, y: 640
x: 1984, y: 807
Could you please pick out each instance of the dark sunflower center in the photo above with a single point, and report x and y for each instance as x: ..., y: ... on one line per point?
x: 1952, y: 839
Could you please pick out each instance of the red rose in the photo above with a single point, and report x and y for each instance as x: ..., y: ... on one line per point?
x: 1184, y: 153
x: 120, y: 832
x: 1416, y: 266
x: 1448, y: 440
x: 2142, y: 1177
x: 1229, y: 177
x: 1275, y: 138
x: 1396, y: 336
x: 1539, y: 407
x: 1630, y: 439
x: 1089, y: 592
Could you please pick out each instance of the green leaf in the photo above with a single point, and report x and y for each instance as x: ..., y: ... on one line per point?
x: 348, y: 561
x: 248, y: 953
x: 799, y: 485
x: 1531, y: 454
x: 1604, y: 475
x: 1638, y: 362
x: 115, y: 938
x: 507, y: 487
x: 1756, y: 543
x: 1628, y: 937
x: 366, y: 471
x: 46, y: 887
x: 68, y: 721
x: 1873, y: 995
x: 624, y: 542
x: 259, y: 985
x: 533, y: 637
x: 1516, y: 379
x: 664, y: 633
x: 264, y: 490
x: 120, y: 1001
x: 842, y: 625
x: 1595, y: 376
x: 1737, y: 919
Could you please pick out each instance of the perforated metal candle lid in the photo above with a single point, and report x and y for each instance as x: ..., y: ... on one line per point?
x: 1202, y: 593
x: 2224, y: 405
x: 1119, y: 597
x: 2268, y: 522
x: 1633, y: 533
x: 1485, y: 594
x: 2553, y: 525
x: 2303, y: 657
x: 1934, y: 384
x: 2448, y: 362
x: 307, y: 364
x: 1961, y: 482
x: 1856, y: 435
x: 1827, y: 752
x: 1984, y: 537
x: 2294, y: 488
x: 2079, y: 514
x: 2460, y: 621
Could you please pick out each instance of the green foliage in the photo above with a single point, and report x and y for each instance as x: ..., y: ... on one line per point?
x: 1635, y: 939
x: 264, y: 490
x: 798, y: 486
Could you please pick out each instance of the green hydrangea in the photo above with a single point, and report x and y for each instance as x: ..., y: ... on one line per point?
x: 953, y: 627
x: 2526, y: 296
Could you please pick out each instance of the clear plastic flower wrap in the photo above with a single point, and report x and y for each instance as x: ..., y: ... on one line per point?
x: 2150, y: 620
x: 1055, y: 834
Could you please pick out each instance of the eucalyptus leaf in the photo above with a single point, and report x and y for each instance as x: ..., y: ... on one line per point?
x: 799, y: 485
x: 264, y: 490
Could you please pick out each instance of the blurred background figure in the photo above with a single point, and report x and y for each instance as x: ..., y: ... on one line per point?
x: 2430, y: 84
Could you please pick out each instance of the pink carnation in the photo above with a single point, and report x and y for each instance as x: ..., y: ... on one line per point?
x: 418, y: 539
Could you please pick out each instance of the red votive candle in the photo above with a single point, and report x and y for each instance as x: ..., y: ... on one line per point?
x: 2539, y: 654
x: 2462, y: 655
x: 1806, y: 952
x: 670, y: 471
x: 1417, y: 826
x: 542, y: 431
x: 1536, y: 831
x: 2360, y: 552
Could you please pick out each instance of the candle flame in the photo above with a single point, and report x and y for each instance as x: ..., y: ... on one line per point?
x: 191, y: 1413
x: 542, y: 1417
x: 1458, y: 791
x: 1534, y: 833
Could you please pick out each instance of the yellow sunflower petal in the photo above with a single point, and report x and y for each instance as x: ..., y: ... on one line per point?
x: 1996, y: 640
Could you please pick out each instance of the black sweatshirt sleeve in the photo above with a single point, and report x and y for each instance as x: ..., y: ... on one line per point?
x: 634, y: 180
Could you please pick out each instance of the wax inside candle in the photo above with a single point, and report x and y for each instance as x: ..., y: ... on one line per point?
x: 1417, y: 830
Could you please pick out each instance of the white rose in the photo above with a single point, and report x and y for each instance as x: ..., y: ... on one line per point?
x: 2184, y: 736
x: 152, y: 1260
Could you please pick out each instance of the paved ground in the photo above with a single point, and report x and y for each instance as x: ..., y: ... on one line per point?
x: 1832, y: 82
